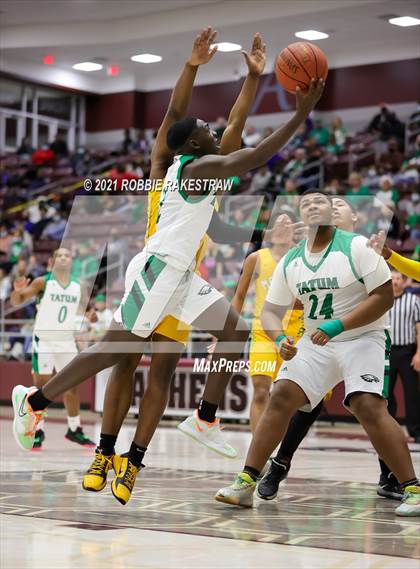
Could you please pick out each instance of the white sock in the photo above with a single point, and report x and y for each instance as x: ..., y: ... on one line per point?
x: 41, y: 425
x: 73, y: 422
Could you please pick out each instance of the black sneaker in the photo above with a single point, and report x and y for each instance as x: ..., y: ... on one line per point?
x: 79, y: 437
x: 268, y: 487
x: 38, y: 440
x: 389, y: 487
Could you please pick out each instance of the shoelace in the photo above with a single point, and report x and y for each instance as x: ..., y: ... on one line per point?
x: 99, y: 464
x: 129, y: 477
x: 37, y: 417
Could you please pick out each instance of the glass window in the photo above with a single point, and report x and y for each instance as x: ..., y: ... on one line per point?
x: 54, y: 104
x: 43, y: 134
x: 11, y: 132
x: 10, y: 94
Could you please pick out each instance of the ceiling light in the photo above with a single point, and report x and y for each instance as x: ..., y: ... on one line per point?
x: 311, y: 35
x: 87, y: 66
x: 146, y: 58
x: 404, y: 21
x: 226, y: 46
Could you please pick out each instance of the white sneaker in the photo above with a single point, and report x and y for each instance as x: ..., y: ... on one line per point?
x: 26, y: 420
x: 240, y: 493
x: 410, y: 503
x: 208, y: 434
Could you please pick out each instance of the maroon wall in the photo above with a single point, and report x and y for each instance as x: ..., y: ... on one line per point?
x: 15, y: 373
x: 364, y: 85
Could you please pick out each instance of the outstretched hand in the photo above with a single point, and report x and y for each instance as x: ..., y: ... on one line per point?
x: 20, y: 283
x: 202, y: 51
x: 306, y: 101
x: 377, y: 243
x: 256, y: 58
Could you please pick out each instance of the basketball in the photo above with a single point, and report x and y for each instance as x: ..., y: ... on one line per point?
x: 298, y: 63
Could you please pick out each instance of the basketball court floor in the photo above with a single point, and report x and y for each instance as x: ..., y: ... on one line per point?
x: 327, y: 514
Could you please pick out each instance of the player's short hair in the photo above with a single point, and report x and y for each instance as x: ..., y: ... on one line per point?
x: 316, y: 191
x: 179, y: 132
x: 282, y: 211
x: 347, y: 201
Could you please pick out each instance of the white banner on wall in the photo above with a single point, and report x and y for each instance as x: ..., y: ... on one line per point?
x: 186, y: 390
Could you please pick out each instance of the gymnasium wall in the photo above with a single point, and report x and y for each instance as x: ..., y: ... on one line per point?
x: 347, y: 88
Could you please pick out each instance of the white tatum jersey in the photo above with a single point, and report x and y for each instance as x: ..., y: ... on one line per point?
x: 332, y: 282
x: 57, y: 310
x: 183, y: 219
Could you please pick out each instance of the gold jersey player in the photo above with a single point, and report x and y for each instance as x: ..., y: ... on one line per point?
x: 59, y: 299
x: 346, y: 337
x: 264, y: 358
x: 165, y: 357
x: 159, y: 280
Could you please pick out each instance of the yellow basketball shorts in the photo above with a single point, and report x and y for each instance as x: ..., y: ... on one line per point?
x: 264, y: 358
x: 173, y: 329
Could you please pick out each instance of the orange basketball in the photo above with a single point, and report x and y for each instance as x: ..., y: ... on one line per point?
x: 298, y: 63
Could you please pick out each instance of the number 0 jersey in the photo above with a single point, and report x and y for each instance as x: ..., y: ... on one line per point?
x: 332, y: 282
x: 57, y: 310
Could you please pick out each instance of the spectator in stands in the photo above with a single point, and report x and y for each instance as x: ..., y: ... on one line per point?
x: 252, y: 137
x: 104, y: 317
x: 19, y: 244
x: 332, y: 148
x: 59, y: 146
x: 333, y: 187
x: 20, y: 269
x: 413, y: 223
x: 290, y: 192
x: 43, y: 157
x: 47, y: 214
x: 387, y: 194
x: 260, y: 180
x: 221, y: 124
x: 386, y: 125
x: 120, y: 173
x: 35, y: 268
x: 392, y: 159
x: 85, y: 265
x: 25, y: 149
x: 338, y: 130
x: 127, y: 143
x: 299, y: 139
x: 319, y: 133
x: 355, y: 185
x: 81, y: 161
x: 55, y: 229
x: 5, y: 284
x: 294, y: 167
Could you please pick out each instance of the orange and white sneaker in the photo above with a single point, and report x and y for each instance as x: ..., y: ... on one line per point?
x: 26, y: 420
x: 208, y: 434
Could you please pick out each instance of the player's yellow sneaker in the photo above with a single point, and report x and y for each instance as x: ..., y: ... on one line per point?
x: 124, y: 480
x: 95, y: 478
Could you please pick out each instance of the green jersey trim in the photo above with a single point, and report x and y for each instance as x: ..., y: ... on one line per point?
x: 314, y: 268
x: 187, y: 159
x: 343, y: 243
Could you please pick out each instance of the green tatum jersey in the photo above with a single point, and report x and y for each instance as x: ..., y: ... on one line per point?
x: 57, y: 310
x: 332, y: 282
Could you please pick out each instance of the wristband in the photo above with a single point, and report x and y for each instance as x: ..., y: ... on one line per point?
x: 331, y: 328
x: 279, y: 338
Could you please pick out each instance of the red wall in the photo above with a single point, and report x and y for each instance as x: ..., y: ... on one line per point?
x: 15, y: 373
x: 364, y: 85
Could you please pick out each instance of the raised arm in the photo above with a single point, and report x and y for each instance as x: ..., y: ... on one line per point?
x: 181, y: 96
x: 248, y: 275
x: 24, y: 289
x: 255, y: 60
x: 242, y: 161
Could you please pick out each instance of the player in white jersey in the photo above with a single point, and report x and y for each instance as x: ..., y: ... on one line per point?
x: 346, y: 291
x: 59, y: 297
x: 160, y: 281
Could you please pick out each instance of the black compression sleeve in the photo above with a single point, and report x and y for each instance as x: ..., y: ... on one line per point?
x: 221, y: 232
